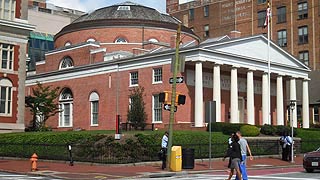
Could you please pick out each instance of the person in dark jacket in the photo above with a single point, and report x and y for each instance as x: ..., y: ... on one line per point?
x: 235, y: 155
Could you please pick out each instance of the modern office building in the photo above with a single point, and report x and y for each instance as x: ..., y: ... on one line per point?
x: 14, y: 32
x: 101, y: 56
x: 294, y: 27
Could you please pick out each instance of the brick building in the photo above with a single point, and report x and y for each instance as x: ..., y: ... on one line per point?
x: 294, y: 27
x: 102, y: 55
x: 14, y: 32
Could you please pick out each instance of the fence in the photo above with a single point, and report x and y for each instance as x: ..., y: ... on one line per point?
x: 125, y: 153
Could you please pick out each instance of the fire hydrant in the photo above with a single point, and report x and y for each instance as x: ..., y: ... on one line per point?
x: 34, y: 159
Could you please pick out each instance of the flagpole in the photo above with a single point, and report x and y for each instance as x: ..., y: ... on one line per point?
x: 269, y: 78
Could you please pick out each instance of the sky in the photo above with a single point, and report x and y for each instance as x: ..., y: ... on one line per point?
x: 90, y: 5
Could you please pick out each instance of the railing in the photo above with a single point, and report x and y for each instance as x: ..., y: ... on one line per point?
x: 130, y: 126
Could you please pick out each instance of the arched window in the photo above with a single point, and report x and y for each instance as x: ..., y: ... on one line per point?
x: 153, y: 40
x: 5, y: 97
x: 94, y: 106
x: 66, y: 107
x: 91, y: 40
x: 121, y: 40
x: 68, y: 43
x: 66, y: 62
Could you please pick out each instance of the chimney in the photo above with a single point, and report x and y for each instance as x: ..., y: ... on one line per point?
x: 235, y: 34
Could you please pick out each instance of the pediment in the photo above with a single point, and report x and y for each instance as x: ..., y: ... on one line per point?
x: 256, y: 49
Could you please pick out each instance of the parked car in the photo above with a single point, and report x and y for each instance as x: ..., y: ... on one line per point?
x: 311, y: 160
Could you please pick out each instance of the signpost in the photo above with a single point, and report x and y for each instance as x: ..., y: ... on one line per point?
x: 178, y: 80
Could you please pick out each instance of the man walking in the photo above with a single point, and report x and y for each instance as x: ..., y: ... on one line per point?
x: 244, y: 146
x: 164, y: 148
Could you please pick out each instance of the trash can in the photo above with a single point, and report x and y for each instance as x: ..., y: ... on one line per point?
x: 187, y: 158
x: 175, y: 159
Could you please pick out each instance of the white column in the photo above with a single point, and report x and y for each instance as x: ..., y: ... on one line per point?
x: 265, y: 108
x: 217, y: 91
x: 198, y: 104
x: 250, y: 98
x: 305, y: 103
x: 234, y: 96
x: 280, y: 120
x: 293, y: 96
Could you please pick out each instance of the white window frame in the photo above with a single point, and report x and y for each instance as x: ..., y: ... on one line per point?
x: 94, y: 99
x: 313, y: 113
x: 66, y: 63
x: 10, y: 8
x: 156, y: 76
x: 10, y: 56
x: 63, y: 101
x: 7, y: 85
x: 133, y: 78
x: 156, y: 111
x: 121, y: 40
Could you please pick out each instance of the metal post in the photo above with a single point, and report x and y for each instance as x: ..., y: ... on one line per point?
x: 292, y: 106
x: 210, y: 143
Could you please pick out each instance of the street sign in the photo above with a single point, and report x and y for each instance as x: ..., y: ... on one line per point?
x: 168, y: 106
x: 179, y: 80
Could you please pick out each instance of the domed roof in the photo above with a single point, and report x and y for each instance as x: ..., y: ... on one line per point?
x: 127, y: 10
x: 123, y: 14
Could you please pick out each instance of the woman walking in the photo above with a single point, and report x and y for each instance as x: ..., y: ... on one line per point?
x: 235, y: 155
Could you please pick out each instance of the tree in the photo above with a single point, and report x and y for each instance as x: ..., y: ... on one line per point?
x: 136, y: 113
x: 42, y: 104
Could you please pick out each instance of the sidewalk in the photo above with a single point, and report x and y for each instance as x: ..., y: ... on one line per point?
x: 86, y: 171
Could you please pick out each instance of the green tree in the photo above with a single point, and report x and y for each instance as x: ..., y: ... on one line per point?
x: 136, y: 113
x: 42, y: 104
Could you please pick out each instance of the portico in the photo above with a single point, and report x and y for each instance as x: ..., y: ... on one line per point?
x: 238, y: 69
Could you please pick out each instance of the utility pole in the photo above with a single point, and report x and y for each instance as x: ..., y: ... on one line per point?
x: 173, y: 96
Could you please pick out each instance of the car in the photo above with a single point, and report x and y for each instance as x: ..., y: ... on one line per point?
x: 311, y: 160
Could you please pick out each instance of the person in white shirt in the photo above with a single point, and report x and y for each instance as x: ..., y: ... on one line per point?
x: 164, y: 148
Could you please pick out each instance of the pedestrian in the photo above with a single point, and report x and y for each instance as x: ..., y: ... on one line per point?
x: 235, y: 155
x: 244, y: 146
x: 283, y: 145
x: 288, y: 147
x: 229, y: 148
x: 164, y: 149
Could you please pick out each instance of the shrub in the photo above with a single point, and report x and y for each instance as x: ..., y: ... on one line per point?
x: 268, y: 130
x: 249, y: 130
x: 217, y: 126
x: 229, y: 128
x: 281, y: 130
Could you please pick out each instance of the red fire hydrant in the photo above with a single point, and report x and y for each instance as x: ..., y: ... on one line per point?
x: 34, y: 159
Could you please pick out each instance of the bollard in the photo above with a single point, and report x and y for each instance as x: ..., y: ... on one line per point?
x: 34, y: 159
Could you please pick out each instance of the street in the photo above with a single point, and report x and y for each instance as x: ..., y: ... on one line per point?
x: 11, y: 176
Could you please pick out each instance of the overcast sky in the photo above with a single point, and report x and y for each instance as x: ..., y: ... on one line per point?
x: 90, y: 5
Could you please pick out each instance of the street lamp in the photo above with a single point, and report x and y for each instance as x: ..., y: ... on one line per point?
x: 292, y: 106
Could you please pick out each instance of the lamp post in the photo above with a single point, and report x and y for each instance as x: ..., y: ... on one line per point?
x: 292, y: 106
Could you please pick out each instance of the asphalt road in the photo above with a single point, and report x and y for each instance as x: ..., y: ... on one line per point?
x: 11, y: 176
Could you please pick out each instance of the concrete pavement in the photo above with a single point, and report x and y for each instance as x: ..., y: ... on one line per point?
x: 84, y: 171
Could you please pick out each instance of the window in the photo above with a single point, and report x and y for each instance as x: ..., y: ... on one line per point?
x: 261, y: 1
x: 45, y: 10
x: 303, y: 10
x: 206, y: 11
x: 67, y: 43
x: 206, y: 31
x: 261, y: 18
x: 133, y: 78
x: 153, y: 40
x: 66, y: 62
x: 5, y: 97
x: 157, y: 109
x: 282, y: 38
x: 304, y: 57
x: 303, y: 35
x: 66, y: 107
x: 91, y: 40
x: 157, y: 75
x: 281, y: 14
x: 124, y: 8
x: 94, y: 103
x: 316, y: 114
x: 7, y: 56
x: 7, y: 9
x: 120, y: 40
x: 191, y: 14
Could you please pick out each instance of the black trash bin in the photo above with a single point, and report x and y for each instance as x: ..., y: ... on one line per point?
x: 187, y: 158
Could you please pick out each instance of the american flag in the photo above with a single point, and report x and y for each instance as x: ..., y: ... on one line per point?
x: 268, y: 16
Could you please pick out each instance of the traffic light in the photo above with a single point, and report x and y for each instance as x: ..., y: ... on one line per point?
x: 163, y: 97
x: 180, y: 99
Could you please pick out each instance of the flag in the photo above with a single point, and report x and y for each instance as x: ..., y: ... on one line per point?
x: 268, y: 16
